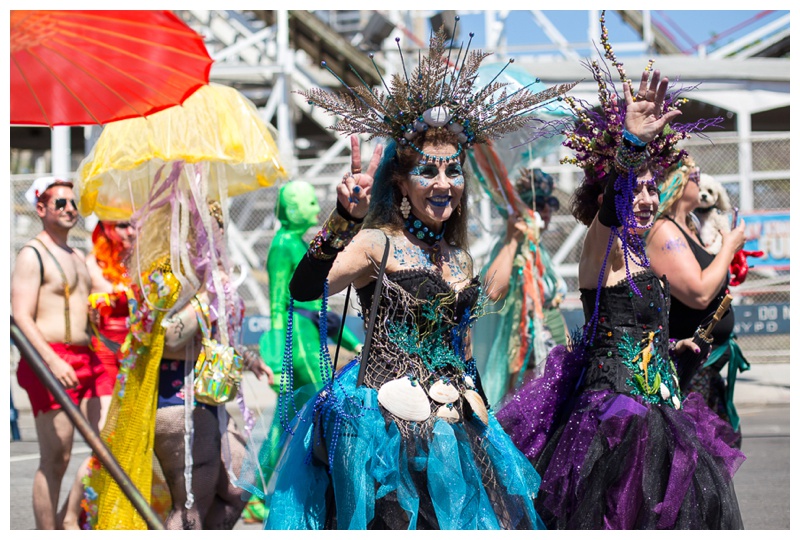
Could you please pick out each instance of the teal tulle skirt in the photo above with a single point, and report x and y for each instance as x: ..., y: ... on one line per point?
x: 344, y: 464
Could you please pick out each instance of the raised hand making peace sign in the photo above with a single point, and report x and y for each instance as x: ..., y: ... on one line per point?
x: 354, y: 190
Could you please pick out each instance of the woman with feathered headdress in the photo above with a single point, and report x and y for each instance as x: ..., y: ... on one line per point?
x: 617, y: 444
x: 401, y: 437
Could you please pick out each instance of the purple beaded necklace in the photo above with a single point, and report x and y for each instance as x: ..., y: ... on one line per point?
x: 633, y: 246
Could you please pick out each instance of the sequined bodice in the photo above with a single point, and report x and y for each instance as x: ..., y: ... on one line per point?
x: 629, y: 352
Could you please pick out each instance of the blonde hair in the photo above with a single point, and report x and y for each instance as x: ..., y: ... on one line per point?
x: 676, y: 178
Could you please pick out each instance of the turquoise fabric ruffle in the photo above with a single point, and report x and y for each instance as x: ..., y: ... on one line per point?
x: 370, y: 460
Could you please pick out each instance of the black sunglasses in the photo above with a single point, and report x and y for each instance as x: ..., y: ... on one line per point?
x: 61, y: 204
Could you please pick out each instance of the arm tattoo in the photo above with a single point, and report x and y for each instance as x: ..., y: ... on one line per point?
x: 674, y: 244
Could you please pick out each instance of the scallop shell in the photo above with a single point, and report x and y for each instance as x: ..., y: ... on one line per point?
x: 436, y: 116
x: 448, y: 413
x: 442, y: 392
x: 404, y: 400
x: 469, y: 382
x: 477, y: 405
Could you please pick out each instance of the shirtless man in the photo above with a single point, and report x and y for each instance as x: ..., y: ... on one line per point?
x: 49, y: 291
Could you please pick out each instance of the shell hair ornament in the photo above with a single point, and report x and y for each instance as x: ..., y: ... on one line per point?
x: 597, y: 135
x: 433, y: 96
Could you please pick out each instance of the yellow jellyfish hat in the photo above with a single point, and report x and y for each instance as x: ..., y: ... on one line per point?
x: 216, y: 128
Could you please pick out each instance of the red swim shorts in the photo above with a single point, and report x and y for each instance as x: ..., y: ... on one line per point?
x: 93, y: 380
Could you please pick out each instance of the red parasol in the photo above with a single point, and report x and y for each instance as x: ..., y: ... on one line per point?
x: 94, y: 67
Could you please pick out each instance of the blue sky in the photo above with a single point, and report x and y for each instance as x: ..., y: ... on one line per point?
x: 687, y: 27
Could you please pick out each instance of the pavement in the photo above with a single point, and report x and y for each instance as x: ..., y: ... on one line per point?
x: 24, y: 453
x: 765, y: 383
x: 765, y: 387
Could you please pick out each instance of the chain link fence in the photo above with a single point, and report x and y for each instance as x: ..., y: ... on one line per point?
x: 254, y: 223
x: 718, y: 157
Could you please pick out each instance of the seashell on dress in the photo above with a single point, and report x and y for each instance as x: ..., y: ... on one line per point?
x: 405, y: 400
x: 442, y: 392
x: 448, y: 413
x: 477, y: 405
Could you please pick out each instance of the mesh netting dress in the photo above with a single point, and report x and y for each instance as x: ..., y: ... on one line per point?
x: 607, y: 428
x: 413, y: 447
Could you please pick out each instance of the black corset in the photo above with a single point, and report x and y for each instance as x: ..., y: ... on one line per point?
x: 424, y: 284
x: 420, y: 329
x: 621, y: 313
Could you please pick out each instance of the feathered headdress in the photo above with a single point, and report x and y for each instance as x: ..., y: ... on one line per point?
x: 597, y: 138
x: 596, y: 135
x: 433, y: 96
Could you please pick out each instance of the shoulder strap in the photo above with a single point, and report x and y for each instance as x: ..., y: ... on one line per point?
x: 685, y: 235
x: 376, y: 295
x: 341, y: 328
x: 65, y: 284
x: 58, y: 265
x: 41, y: 264
x: 203, y: 320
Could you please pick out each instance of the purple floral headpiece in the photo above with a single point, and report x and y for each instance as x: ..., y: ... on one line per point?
x: 595, y: 136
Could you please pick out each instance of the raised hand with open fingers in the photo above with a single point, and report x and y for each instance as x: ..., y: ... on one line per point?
x: 645, y: 117
x: 354, y: 190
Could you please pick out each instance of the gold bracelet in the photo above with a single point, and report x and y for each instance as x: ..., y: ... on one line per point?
x: 336, y: 234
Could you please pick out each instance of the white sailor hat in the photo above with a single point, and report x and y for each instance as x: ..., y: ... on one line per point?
x: 39, y: 186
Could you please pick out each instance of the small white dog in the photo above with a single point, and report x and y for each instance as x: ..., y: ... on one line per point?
x: 713, y: 209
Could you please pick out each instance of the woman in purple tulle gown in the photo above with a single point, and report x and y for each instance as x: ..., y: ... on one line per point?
x: 606, y: 426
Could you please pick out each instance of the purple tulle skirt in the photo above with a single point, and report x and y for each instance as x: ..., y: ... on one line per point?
x: 610, y: 460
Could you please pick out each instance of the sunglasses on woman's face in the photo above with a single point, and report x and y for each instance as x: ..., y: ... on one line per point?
x: 123, y: 225
x: 61, y: 204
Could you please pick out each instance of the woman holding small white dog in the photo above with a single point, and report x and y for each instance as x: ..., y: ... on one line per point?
x: 698, y: 283
x: 712, y: 211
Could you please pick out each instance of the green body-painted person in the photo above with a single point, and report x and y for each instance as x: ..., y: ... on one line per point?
x: 297, y: 209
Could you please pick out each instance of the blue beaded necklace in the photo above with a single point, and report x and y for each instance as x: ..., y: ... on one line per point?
x: 420, y: 231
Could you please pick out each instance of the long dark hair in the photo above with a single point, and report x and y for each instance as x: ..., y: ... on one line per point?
x: 394, y: 169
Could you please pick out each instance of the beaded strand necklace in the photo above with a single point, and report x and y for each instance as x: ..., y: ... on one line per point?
x: 420, y: 231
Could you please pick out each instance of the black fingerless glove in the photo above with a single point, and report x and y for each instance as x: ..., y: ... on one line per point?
x: 345, y: 214
x: 309, y: 277
x: 608, y: 209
